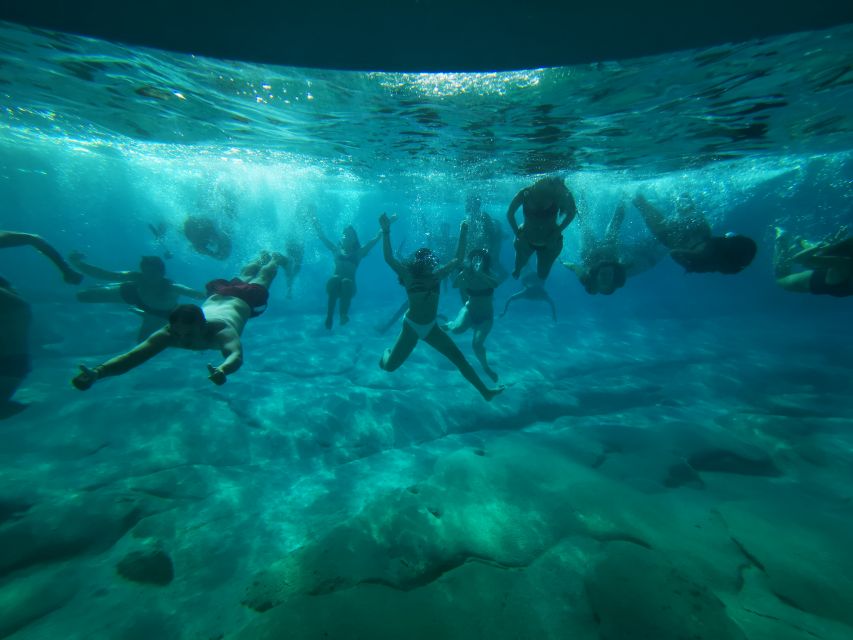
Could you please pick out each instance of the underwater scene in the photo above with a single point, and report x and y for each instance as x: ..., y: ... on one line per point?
x: 557, y: 353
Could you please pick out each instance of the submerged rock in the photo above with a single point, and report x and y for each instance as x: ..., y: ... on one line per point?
x: 639, y: 594
x: 147, y: 567
x: 727, y: 461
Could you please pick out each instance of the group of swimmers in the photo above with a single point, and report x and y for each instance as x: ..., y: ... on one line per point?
x: 548, y: 208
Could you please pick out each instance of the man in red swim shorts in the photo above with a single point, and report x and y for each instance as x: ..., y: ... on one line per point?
x: 217, y: 324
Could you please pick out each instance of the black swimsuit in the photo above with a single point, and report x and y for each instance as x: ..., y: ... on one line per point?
x: 819, y: 286
x: 130, y: 294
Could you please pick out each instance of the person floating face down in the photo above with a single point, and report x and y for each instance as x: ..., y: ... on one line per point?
x: 147, y: 291
x: 421, y: 276
x: 542, y: 230
x: 600, y: 269
x: 218, y: 324
x: 348, y: 253
x: 207, y: 238
x: 476, y: 282
x: 691, y: 244
x: 826, y: 266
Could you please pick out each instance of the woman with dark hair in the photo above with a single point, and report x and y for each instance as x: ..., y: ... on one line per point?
x: 421, y: 275
x: 348, y: 253
x: 688, y: 237
x: 147, y: 291
x: 476, y: 283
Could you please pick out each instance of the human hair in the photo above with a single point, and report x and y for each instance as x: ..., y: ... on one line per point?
x: 735, y: 253
x: 590, y: 279
x: 422, y: 262
x: 152, y: 265
x: 186, y: 314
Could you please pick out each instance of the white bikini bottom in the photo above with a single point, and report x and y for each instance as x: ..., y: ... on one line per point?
x: 421, y: 329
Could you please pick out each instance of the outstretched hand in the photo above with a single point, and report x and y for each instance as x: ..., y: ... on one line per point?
x: 85, y: 379
x: 385, y: 221
x: 217, y: 375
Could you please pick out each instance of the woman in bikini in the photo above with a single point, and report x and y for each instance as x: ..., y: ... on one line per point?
x: 476, y: 283
x: 540, y: 233
x: 421, y: 276
x: 348, y: 253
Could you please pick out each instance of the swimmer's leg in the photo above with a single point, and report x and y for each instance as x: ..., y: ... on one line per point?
x: 402, y: 349
x: 443, y: 343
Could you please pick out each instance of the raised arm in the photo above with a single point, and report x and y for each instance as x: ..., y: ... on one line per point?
x: 96, y: 272
x: 9, y: 239
x: 459, y: 258
x: 369, y: 245
x: 153, y: 345
x: 322, y: 236
x: 387, y: 251
x: 513, y: 207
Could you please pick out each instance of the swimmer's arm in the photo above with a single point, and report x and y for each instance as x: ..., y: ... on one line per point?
x: 513, y: 207
x: 183, y: 290
x: 10, y: 239
x: 154, y: 344
x: 813, y: 260
x: 568, y: 208
x: 387, y: 251
x: 322, y: 236
x: 232, y: 348
x: 459, y: 258
x: 96, y: 272
x: 369, y: 245
x: 577, y: 270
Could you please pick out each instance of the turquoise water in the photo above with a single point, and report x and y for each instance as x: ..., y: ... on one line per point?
x: 670, y: 461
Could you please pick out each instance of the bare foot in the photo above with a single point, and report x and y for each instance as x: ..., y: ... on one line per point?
x: 491, y: 393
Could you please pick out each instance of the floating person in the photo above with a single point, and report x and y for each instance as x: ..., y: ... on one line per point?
x: 217, y: 324
x: 207, y: 238
x: 484, y: 232
x: 533, y: 289
x: 421, y: 276
x: 827, y: 265
x: 691, y: 244
x: 477, y: 283
x: 606, y: 263
x: 16, y: 318
x: 148, y: 291
x: 540, y: 233
x: 348, y: 253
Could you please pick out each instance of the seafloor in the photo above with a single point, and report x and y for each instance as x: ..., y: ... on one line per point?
x: 663, y: 479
